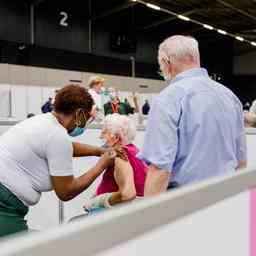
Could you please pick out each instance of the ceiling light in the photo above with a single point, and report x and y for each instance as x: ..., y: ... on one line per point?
x: 208, y: 27
x: 183, y: 18
x: 239, y: 38
x: 153, y: 6
x: 221, y: 31
x: 253, y: 43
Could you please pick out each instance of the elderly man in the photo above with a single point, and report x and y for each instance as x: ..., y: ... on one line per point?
x: 195, y: 127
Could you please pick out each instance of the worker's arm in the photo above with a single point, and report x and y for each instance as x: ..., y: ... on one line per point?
x: 156, y: 181
x: 80, y: 149
x: 68, y: 187
x: 123, y: 174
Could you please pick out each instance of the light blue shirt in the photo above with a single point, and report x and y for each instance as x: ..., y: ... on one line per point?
x: 195, y: 129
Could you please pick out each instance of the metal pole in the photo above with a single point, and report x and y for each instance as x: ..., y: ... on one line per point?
x: 10, y: 102
x: 61, y: 212
x: 90, y: 36
x: 133, y: 66
x: 32, y: 24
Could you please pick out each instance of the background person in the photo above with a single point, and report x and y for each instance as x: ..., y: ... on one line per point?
x: 185, y: 143
x: 95, y: 85
x: 125, y: 180
x: 36, y: 155
x: 129, y: 108
x: 145, y: 108
x: 114, y: 105
x: 48, y: 106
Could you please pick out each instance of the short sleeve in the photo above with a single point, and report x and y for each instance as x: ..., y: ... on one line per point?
x: 59, y: 154
x: 161, y: 138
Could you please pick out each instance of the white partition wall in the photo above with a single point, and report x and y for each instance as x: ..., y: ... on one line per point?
x: 221, y: 229
x: 5, y: 102
x: 48, y: 92
x: 35, y: 101
x: 19, y: 102
x: 45, y: 214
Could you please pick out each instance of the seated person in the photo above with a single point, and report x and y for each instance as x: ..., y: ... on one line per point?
x: 125, y: 180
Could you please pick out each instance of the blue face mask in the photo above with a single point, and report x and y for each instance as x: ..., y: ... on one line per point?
x: 76, y: 132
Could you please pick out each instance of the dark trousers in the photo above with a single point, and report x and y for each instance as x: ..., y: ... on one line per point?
x: 12, y: 213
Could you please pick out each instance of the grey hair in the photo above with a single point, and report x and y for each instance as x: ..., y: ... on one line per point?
x: 177, y: 49
x: 120, y: 125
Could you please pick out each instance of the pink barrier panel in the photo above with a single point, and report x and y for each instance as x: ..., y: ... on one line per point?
x: 253, y: 222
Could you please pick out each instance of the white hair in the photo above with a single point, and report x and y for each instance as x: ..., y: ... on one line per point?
x: 177, y: 49
x: 120, y: 125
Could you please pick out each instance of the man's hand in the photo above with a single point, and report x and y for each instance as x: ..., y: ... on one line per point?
x: 156, y: 182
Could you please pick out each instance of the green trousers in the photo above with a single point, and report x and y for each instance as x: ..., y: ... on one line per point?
x: 12, y: 213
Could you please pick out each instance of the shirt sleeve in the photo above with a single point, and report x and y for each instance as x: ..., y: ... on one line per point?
x: 161, y: 138
x: 59, y: 154
x: 241, y: 149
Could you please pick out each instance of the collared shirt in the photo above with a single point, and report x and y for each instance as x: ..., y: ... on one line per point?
x: 195, y: 129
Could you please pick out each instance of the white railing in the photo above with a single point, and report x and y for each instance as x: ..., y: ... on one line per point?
x: 93, y: 235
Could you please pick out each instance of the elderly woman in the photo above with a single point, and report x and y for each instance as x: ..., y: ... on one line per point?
x: 36, y: 156
x: 125, y: 180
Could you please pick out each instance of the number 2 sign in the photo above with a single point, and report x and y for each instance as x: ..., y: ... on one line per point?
x: 63, y: 21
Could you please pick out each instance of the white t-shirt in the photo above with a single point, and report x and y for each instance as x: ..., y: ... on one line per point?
x: 31, y: 152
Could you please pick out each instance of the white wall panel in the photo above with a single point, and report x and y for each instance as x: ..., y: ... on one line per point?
x: 48, y: 92
x: 19, y: 101
x: 5, y: 100
x: 34, y: 99
x: 45, y: 214
x: 222, y: 229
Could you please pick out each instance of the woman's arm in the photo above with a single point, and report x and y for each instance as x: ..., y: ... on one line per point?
x: 68, y: 187
x: 80, y: 149
x: 125, y: 181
